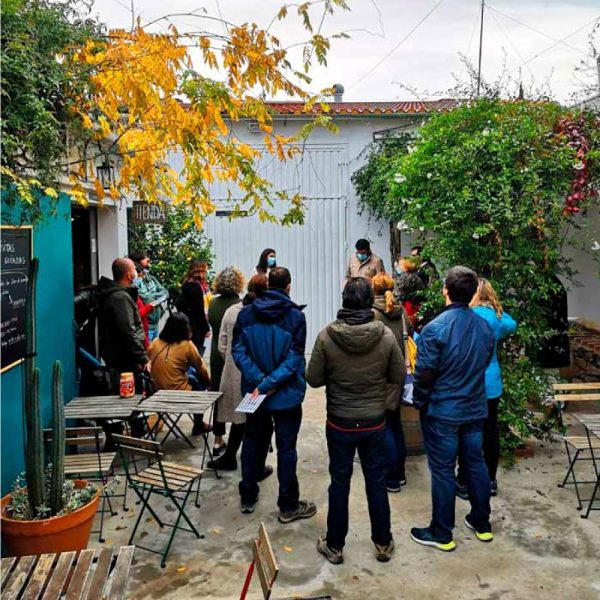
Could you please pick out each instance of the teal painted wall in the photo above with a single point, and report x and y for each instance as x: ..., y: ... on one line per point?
x: 55, y: 332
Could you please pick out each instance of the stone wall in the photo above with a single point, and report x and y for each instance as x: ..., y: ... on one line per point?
x: 585, y: 350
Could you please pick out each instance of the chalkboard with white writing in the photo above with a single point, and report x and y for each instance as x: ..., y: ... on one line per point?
x: 15, y: 258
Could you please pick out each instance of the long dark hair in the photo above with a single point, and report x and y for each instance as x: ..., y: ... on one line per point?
x: 262, y: 266
x: 177, y: 329
x: 193, y: 273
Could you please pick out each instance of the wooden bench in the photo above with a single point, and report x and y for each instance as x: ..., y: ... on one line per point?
x: 100, y: 574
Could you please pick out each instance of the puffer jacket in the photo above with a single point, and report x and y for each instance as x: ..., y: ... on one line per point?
x: 356, y: 363
x: 120, y: 327
x: 269, y: 339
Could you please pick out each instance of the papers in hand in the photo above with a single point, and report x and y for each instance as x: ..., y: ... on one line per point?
x: 160, y: 300
x: 250, y: 403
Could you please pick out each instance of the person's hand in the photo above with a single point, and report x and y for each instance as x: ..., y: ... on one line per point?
x: 147, y: 366
x: 255, y: 392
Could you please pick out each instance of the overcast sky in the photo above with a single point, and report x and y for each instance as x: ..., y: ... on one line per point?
x: 376, y: 64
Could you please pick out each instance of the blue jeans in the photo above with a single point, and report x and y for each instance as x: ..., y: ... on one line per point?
x: 152, y: 333
x: 444, y: 442
x: 342, y: 446
x: 257, y: 438
x: 395, y: 448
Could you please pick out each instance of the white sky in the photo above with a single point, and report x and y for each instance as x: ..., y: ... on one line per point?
x: 426, y: 60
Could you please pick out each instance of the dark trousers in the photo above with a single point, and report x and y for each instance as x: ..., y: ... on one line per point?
x: 444, y: 442
x: 395, y: 448
x: 342, y: 445
x: 257, y: 438
x: 491, y: 442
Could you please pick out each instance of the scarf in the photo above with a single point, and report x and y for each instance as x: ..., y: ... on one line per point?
x: 355, y: 317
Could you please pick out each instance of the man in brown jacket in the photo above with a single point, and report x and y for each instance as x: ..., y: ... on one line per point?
x: 363, y: 263
x: 356, y: 358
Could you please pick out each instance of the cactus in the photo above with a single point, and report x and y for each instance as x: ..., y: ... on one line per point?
x: 58, y: 441
x: 34, y: 442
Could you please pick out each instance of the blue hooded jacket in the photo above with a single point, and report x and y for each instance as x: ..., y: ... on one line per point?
x: 501, y: 328
x: 456, y: 347
x: 269, y: 339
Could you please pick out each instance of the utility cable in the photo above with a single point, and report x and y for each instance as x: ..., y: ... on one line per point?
x: 408, y: 35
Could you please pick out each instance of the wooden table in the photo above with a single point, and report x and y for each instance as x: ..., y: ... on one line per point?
x: 591, y: 422
x: 101, y: 407
x: 100, y: 574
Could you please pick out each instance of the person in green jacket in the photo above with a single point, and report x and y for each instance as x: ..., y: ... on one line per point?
x: 151, y: 291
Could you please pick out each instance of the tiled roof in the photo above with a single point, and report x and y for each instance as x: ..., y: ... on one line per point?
x: 369, y: 108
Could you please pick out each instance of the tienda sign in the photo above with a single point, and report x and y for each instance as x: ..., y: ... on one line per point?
x: 144, y: 212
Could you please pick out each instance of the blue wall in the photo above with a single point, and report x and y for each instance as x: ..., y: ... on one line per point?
x: 55, y: 332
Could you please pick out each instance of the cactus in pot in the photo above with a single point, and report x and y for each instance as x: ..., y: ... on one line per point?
x: 57, y: 478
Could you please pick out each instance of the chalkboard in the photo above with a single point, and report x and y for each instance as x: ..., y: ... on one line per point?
x: 15, y: 258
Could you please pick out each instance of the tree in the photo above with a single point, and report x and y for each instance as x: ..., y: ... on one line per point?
x: 501, y: 186
x: 141, y: 99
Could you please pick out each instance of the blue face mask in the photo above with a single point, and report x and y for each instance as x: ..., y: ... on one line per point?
x: 362, y: 256
x: 137, y: 282
x: 271, y: 262
x: 147, y: 270
x: 399, y: 270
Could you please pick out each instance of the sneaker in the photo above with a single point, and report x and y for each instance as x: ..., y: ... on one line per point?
x: 218, y: 450
x: 462, y: 492
x: 483, y: 535
x: 394, y: 488
x: 402, y: 481
x: 335, y: 557
x: 268, y: 470
x: 423, y: 535
x: 304, y: 510
x: 248, y: 507
x: 384, y: 553
x: 494, y: 488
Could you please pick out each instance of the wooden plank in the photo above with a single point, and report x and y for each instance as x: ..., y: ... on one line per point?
x: 265, y: 545
x: 170, y: 476
x: 133, y: 441
x: 80, y: 575
x: 576, y: 386
x: 188, y: 469
x: 120, y: 574
x: 100, y: 575
x: 59, y: 576
x: 6, y: 569
x: 576, y: 397
x: 149, y: 480
x: 38, y: 578
x: 19, y: 578
x: 260, y: 569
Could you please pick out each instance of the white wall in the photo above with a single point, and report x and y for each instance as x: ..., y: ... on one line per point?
x: 112, y: 235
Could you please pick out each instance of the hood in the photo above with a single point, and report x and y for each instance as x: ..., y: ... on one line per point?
x: 356, y: 339
x: 107, y: 287
x: 273, y: 306
x: 394, y: 315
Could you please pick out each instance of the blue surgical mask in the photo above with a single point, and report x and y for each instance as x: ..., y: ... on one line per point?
x: 137, y: 282
x: 362, y: 256
x: 399, y: 270
x: 271, y: 261
x: 147, y: 270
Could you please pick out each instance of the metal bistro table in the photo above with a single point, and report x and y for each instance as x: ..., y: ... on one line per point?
x: 171, y: 405
x: 591, y: 422
x: 101, y: 407
x: 85, y: 575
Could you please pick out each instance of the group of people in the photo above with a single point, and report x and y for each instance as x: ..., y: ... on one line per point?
x: 258, y: 347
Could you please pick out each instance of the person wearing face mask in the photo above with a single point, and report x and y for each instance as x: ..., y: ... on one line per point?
x: 145, y: 309
x: 409, y: 288
x: 151, y: 291
x: 266, y: 262
x: 364, y: 263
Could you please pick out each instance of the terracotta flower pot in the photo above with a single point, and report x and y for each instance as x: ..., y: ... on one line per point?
x: 56, y: 534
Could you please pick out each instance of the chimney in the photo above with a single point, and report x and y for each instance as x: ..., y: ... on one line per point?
x: 338, y: 90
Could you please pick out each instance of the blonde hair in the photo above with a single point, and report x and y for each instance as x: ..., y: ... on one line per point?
x: 229, y: 281
x: 383, y: 284
x: 410, y: 264
x: 486, y: 296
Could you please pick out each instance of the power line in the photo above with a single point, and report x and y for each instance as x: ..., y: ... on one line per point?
x: 550, y: 37
x: 480, y: 48
x: 378, y: 64
x: 472, y: 32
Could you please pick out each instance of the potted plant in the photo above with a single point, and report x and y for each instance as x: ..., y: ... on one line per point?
x: 47, y: 514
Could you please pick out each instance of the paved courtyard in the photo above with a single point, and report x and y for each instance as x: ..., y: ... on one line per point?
x: 542, y: 548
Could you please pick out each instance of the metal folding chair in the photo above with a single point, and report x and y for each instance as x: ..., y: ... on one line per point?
x: 170, y: 480
x: 94, y: 466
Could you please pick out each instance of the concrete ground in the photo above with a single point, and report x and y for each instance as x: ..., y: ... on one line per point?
x: 542, y: 548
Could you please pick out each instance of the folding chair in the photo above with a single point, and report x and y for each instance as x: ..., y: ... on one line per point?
x: 265, y: 563
x: 170, y: 480
x: 94, y: 466
x: 578, y: 446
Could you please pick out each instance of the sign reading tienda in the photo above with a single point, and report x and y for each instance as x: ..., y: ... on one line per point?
x: 15, y: 258
x: 145, y: 212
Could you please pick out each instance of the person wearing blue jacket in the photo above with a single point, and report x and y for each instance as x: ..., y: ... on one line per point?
x: 485, y: 304
x: 453, y: 353
x: 269, y: 340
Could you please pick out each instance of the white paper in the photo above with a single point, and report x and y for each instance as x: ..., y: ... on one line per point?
x: 250, y: 403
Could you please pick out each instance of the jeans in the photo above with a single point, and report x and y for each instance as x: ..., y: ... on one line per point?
x: 152, y: 334
x: 395, y: 448
x: 491, y: 442
x: 444, y: 442
x: 257, y: 438
x: 342, y: 446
